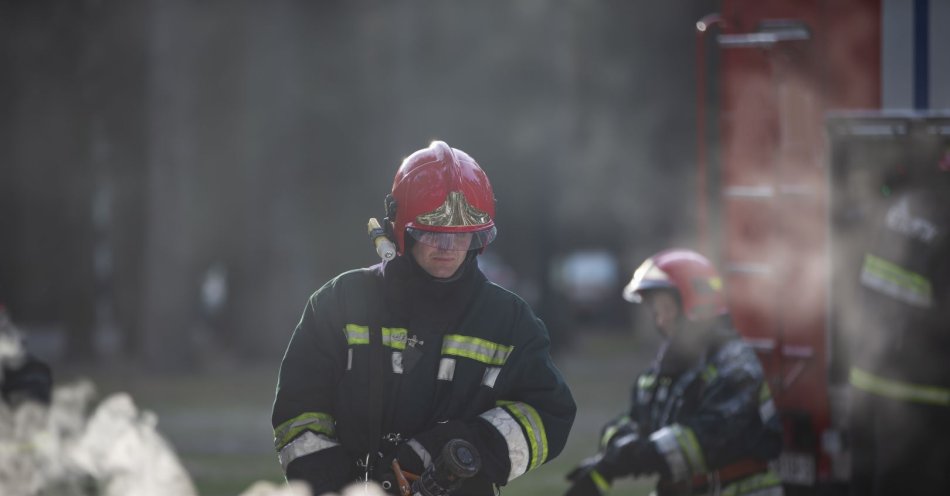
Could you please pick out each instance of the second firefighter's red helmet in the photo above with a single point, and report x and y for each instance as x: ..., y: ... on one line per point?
x: 440, y: 189
x: 690, y: 274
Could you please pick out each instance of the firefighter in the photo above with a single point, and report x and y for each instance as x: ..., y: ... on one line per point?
x: 23, y: 377
x: 701, y: 416
x: 393, y: 361
x: 900, y: 375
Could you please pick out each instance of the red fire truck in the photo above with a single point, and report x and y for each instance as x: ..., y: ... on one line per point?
x: 806, y: 110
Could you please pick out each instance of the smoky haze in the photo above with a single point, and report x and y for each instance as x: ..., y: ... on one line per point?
x: 156, y: 151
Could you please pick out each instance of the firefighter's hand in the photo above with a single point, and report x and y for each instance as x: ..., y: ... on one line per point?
x: 629, y: 455
x: 586, y: 480
x: 408, y: 461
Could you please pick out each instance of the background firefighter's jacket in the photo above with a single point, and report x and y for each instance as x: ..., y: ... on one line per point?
x: 706, y: 407
x: 905, y: 276
x: 462, y: 359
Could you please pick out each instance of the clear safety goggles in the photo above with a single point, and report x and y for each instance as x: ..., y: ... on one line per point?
x: 457, y: 241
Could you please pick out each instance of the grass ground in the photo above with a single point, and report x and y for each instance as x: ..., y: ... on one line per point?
x: 219, y: 423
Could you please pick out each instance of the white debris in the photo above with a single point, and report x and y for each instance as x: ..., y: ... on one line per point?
x: 58, y: 450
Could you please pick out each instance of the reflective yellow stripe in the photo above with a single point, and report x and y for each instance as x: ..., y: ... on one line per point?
x: 755, y: 484
x: 765, y: 393
x: 599, y: 480
x: 710, y: 373
x: 395, y: 337
x: 477, y: 349
x: 357, y: 334
x: 534, y: 429
x: 646, y: 381
x: 612, y: 429
x: 690, y: 447
x: 903, y: 391
x: 318, y: 422
x: 896, y: 282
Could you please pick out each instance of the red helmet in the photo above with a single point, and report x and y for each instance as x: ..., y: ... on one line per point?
x: 690, y: 274
x: 440, y: 189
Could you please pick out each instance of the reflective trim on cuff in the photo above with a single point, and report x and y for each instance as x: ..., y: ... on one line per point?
x: 306, y: 444
x: 669, y: 448
x: 599, y: 481
x: 518, y: 452
x: 533, y: 427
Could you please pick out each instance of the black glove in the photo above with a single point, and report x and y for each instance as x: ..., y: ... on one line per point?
x: 626, y: 454
x: 408, y: 460
x: 586, y: 480
x: 630, y: 455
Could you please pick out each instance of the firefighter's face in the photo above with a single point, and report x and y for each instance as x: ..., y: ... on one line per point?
x: 665, y: 310
x: 441, y: 261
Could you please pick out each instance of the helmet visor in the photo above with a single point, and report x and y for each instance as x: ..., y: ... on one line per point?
x: 457, y: 241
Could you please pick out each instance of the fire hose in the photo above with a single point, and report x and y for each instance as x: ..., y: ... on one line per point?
x: 458, y: 461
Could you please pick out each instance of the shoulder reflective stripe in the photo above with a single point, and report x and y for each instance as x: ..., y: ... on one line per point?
x: 357, y: 334
x: 446, y: 369
x: 530, y: 421
x: 600, y: 481
x: 896, y: 282
x: 903, y: 391
x: 304, y: 445
x: 421, y: 452
x: 518, y: 452
x: 318, y: 422
x: 669, y: 448
x: 397, y: 362
x: 395, y: 337
x: 478, y: 349
x: 490, y: 376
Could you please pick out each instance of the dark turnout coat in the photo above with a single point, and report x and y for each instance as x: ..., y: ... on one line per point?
x: 431, y: 361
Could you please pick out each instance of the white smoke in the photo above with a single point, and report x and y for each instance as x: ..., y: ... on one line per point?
x: 114, y: 450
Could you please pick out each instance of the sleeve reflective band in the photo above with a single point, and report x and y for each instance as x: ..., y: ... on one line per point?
x: 523, y: 431
x: 599, y: 481
x: 477, y: 349
x: 611, y: 429
x: 682, y: 452
x: 320, y: 423
x: 896, y: 282
x: 304, y: 445
x: 902, y: 391
x: 763, y: 484
x: 357, y: 334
